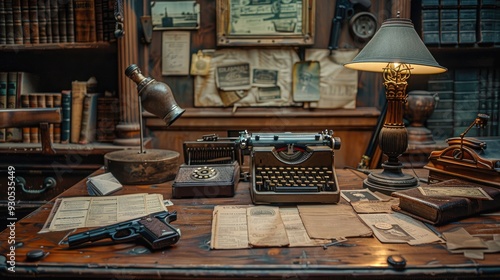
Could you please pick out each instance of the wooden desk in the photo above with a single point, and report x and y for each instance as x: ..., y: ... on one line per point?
x: 191, y: 256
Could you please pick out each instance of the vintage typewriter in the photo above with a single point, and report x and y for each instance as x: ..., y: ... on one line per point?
x: 211, y: 168
x: 292, y: 167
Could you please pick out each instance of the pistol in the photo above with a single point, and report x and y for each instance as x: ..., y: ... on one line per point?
x: 154, y: 229
x: 344, y: 9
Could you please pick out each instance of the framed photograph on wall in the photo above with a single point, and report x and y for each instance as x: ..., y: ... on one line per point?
x: 265, y: 22
x: 181, y: 14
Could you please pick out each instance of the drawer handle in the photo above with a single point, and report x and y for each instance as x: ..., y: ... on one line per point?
x: 48, y: 183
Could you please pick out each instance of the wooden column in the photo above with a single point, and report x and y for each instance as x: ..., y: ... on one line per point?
x: 401, y: 6
x: 128, y: 130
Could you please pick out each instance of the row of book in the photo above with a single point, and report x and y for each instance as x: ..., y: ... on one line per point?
x: 463, y: 94
x: 465, y: 23
x: 86, y: 117
x: 56, y: 21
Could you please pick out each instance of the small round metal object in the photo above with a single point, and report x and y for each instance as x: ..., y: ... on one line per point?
x: 397, y: 262
x: 363, y: 25
x: 35, y: 255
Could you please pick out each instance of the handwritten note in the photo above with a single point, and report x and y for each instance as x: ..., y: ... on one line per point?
x: 175, y: 53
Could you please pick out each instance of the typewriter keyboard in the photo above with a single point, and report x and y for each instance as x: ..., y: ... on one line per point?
x: 294, y: 179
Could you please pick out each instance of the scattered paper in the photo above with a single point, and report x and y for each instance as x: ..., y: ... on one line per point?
x: 332, y: 221
x: 460, y: 241
x: 296, y: 232
x: 359, y: 195
x: 244, y: 226
x: 77, y: 212
x: 368, y: 206
x: 229, y: 227
x: 399, y: 228
x: 265, y: 227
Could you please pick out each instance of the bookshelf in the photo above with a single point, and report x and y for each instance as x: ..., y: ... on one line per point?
x: 56, y: 62
x: 461, y: 35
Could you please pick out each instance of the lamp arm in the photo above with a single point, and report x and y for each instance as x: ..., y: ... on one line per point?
x: 141, y: 136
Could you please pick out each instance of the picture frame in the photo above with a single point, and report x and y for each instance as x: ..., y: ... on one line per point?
x: 265, y: 22
x: 173, y: 15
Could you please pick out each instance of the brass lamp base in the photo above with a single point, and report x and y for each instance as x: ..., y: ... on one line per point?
x: 391, y: 179
x: 153, y: 166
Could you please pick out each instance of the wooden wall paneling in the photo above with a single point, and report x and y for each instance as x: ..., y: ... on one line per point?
x: 354, y: 127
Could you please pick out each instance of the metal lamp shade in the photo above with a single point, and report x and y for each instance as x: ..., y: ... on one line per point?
x: 396, y: 41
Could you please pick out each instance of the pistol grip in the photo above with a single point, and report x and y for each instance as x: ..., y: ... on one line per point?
x: 158, y: 234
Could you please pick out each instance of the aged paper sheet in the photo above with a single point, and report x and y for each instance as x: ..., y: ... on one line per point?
x: 265, y: 227
x: 229, y: 227
x: 338, y: 84
x: 399, y: 228
x: 206, y: 93
x: 332, y: 221
x: 368, y: 206
x: 245, y: 226
x: 296, y: 232
x: 77, y: 212
x: 175, y: 52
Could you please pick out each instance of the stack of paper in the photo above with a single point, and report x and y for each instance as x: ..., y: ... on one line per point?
x: 103, y: 184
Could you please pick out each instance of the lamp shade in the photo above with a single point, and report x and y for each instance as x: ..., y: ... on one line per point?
x: 396, y: 41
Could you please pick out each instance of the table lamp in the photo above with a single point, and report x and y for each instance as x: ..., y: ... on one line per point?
x: 151, y: 166
x: 397, y: 51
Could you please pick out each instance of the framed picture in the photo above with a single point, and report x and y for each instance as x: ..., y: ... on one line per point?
x: 265, y: 22
x: 183, y: 14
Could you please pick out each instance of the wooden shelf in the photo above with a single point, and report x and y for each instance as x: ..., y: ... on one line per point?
x: 56, y: 46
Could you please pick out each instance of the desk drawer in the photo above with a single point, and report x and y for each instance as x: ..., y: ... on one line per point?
x: 37, y: 186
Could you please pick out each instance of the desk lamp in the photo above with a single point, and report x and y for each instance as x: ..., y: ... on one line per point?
x: 132, y: 167
x: 397, y: 51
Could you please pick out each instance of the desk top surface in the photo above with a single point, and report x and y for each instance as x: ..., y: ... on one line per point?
x: 192, y: 256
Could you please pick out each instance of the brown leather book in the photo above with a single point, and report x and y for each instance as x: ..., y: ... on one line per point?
x: 444, y: 209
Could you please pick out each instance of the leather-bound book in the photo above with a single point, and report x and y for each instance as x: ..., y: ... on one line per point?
x: 443, y: 209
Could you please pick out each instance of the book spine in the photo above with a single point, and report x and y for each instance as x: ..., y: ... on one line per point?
x: 57, y: 126
x: 48, y: 19
x: 18, y: 23
x: 11, y: 132
x: 42, y: 22
x: 78, y: 91
x: 85, y: 29
x: 495, y: 122
x: 483, y: 98
x: 54, y: 20
x: 99, y: 26
x: 3, y: 31
x: 34, y: 32
x: 25, y: 17
x: 89, y: 118
x: 49, y: 103
x: 66, y: 116
x: 423, y: 210
x: 108, y: 116
x: 465, y: 100
x: 9, y: 22
x: 109, y: 20
x: 3, y: 99
x: 61, y: 15
x: 70, y: 22
x: 34, y: 129
x: 25, y: 103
